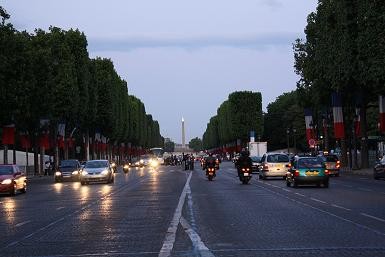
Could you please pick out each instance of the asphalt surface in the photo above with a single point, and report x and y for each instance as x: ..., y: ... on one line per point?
x: 171, y: 212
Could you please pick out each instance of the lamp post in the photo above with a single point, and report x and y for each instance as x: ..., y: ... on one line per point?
x: 295, y: 141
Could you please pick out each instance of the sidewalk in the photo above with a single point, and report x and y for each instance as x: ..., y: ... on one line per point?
x: 361, y: 172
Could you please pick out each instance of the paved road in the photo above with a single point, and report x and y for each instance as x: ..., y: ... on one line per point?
x: 171, y: 212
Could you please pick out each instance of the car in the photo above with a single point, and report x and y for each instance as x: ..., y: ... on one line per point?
x: 256, y: 162
x: 97, y: 171
x: 68, y: 170
x: 307, y: 170
x: 12, y: 179
x: 274, y: 165
x: 379, y: 169
x: 332, y: 164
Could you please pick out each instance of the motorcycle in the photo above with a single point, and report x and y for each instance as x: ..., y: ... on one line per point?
x: 244, y: 175
x: 210, y: 173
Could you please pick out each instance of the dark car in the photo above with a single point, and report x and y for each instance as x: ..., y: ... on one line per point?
x: 256, y: 162
x: 332, y: 164
x: 68, y: 170
x: 12, y: 179
x: 379, y: 169
x: 307, y: 170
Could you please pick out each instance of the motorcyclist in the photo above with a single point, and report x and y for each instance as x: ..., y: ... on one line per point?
x: 244, y: 161
x: 210, y: 162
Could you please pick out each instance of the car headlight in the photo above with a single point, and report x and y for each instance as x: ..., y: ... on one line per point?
x: 104, y: 172
x: 154, y: 163
x: 125, y: 166
x: 84, y: 172
x: 113, y: 165
x: 57, y: 173
x: 136, y: 163
x: 6, y: 182
x: 141, y: 161
x: 76, y: 172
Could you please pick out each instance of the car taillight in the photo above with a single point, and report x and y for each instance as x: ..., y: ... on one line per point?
x: 243, y: 169
x: 338, y: 164
x: 247, y: 169
x: 265, y: 167
x: 326, y: 172
x: 296, y: 173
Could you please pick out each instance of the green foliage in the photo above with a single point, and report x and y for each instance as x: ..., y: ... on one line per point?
x: 169, y: 147
x: 196, y: 144
x: 50, y: 75
x: 235, y: 118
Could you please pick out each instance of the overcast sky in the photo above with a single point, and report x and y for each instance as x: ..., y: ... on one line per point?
x: 183, y: 58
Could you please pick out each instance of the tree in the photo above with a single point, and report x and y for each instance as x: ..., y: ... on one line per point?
x: 169, y: 146
x: 196, y: 144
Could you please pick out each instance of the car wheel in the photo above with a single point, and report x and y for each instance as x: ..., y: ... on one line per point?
x: 326, y: 184
x: 295, y: 184
x: 288, y: 184
x: 284, y: 177
x: 82, y: 183
x: 57, y: 180
x: 318, y: 184
x: 337, y: 175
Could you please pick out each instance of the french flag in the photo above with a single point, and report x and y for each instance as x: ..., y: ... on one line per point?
x: 381, y: 101
x: 338, y: 116
x: 309, y: 124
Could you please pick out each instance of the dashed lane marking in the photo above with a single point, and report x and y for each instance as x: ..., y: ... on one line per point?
x: 365, y: 189
x: 287, y: 190
x: 169, y: 239
x: 22, y: 223
x: 326, y: 212
x: 60, y: 208
x: 300, y: 194
x: 372, y: 217
x: 340, y: 207
x: 317, y: 200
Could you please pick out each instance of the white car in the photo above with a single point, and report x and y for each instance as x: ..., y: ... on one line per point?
x: 97, y: 171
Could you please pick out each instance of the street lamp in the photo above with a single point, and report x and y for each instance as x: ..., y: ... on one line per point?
x: 288, y: 140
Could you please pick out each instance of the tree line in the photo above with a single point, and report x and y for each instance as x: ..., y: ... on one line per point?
x: 344, y: 53
x: 236, y: 117
x: 48, y: 75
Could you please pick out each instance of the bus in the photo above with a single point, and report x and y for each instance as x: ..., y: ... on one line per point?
x: 157, y: 152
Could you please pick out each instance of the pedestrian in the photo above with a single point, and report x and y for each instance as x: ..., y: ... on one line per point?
x: 46, y: 168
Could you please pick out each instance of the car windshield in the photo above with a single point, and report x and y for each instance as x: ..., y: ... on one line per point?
x: 68, y: 163
x: 96, y: 164
x: 277, y: 158
x: 6, y: 170
x: 330, y: 158
x: 256, y: 158
x: 309, y: 163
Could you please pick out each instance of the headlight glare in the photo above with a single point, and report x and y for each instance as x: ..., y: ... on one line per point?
x: 105, y: 172
x: 6, y: 182
x: 57, y: 173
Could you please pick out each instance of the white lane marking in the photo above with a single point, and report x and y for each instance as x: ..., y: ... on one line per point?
x: 325, y: 212
x: 169, y: 239
x: 364, y: 189
x: 60, y: 208
x: 287, y: 190
x: 22, y: 223
x: 195, y: 239
x: 300, y: 194
x: 317, y: 200
x: 341, y: 207
x: 373, y: 217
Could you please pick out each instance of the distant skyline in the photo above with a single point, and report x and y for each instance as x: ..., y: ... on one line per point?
x: 183, y: 58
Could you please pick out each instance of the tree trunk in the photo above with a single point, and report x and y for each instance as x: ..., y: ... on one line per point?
x: 344, y: 149
x: 5, y: 154
x: 364, y: 141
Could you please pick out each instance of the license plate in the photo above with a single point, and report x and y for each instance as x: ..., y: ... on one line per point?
x: 312, y: 173
x: 211, y: 174
x: 245, y: 174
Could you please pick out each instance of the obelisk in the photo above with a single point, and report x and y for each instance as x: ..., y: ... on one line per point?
x: 183, y: 135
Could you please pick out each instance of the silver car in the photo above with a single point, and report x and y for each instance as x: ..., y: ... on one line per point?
x: 274, y: 165
x: 97, y: 171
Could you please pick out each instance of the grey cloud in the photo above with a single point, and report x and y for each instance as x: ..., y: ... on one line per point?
x: 255, y: 42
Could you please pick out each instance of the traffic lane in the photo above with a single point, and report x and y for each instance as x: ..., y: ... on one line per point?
x: 345, y: 196
x: 250, y: 220
x: 46, y: 202
x: 131, y: 221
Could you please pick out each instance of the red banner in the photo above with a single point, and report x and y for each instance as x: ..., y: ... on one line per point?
x: 25, y: 141
x: 8, y: 135
x: 44, y: 141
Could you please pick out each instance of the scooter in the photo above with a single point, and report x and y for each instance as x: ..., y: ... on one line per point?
x: 244, y: 175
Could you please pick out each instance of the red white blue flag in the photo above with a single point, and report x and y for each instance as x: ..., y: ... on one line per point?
x: 309, y: 124
x: 338, y: 116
